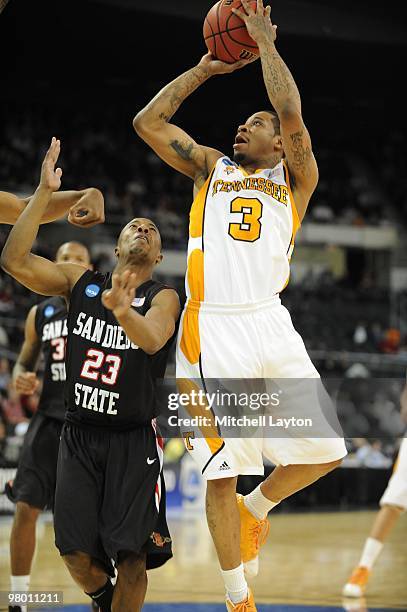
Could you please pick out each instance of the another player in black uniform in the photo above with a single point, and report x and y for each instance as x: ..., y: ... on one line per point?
x: 34, y: 485
x: 110, y: 500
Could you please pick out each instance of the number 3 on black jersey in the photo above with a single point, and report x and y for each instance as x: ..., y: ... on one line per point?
x: 250, y: 228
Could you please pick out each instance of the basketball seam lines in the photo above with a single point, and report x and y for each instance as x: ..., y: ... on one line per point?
x: 213, y: 35
x: 238, y: 28
x: 239, y: 42
x: 221, y: 38
x: 225, y: 31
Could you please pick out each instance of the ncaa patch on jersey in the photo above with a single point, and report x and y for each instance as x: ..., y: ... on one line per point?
x: 49, y: 311
x: 92, y: 291
x: 137, y: 302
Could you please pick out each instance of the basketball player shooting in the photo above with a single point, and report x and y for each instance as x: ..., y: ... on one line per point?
x: 243, y: 222
x: 110, y: 495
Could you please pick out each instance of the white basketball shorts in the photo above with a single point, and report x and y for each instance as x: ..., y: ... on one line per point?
x: 249, y: 342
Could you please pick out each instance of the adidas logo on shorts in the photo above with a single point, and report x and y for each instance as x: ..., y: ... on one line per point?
x: 224, y: 466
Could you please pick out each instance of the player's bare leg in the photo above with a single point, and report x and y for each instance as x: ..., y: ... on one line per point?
x: 91, y: 577
x: 22, y: 540
x: 223, y: 520
x: 131, y: 585
x: 383, y: 524
x: 287, y: 480
x: 224, y: 524
x: 282, y: 482
x: 86, y: 572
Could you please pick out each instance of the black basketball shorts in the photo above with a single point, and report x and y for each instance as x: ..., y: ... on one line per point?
x: 110, y: 495
x: 35, y: 479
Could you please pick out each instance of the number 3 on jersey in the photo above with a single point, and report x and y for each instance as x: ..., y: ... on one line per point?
x: 250, y: 228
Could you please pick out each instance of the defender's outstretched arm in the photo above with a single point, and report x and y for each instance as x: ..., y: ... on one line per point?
x: 84, y: 208
x: 37, y: 273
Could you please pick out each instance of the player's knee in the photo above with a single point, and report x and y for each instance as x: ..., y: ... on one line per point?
x: 78, y: 563
x: 26, y: 513
x: 394, y: 508
x: 132, y: 566
x: 222, y: 487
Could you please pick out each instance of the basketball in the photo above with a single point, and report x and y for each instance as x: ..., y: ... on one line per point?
x: 226, y: 35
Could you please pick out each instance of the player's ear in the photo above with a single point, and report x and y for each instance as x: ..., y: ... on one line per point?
x: 159, y: 259
x: 117, y: 252
x: 278, y: 142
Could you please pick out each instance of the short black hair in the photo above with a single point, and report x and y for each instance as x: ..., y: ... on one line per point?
x: 275, y: 120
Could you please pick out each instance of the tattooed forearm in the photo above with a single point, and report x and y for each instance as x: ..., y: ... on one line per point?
x: 278, y: 79
x: 301, y: 154
x: 169, y: 99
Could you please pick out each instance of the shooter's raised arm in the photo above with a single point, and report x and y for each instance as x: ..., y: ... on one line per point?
x: 37, y: 273
x: 170, y: 142
x: 285, y: 98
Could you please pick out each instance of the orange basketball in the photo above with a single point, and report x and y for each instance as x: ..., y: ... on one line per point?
x: 226, y: 35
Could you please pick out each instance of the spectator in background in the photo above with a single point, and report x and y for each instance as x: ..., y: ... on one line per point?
x: 3, y: 436
x: 391, y: 341
x: 12, y: 408
x: 370, y: 455
x: 3, y: 337
x: 5, y: 375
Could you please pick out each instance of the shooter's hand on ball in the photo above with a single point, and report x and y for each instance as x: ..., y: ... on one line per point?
x: 214, y: 66
x: 258, y: 22
x: 118, y: 299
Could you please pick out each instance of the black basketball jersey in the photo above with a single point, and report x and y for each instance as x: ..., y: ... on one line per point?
x: 110, y: 380
x: 52, y: 330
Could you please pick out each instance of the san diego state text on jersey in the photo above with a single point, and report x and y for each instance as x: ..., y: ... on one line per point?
x: 111, y: 381
x: 51, y: 327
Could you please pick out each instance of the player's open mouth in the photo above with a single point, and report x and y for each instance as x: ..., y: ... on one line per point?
x: 140, y: 237
x: 239, y: 140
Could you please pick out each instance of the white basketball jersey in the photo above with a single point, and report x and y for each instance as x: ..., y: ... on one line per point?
x: 241, y: 235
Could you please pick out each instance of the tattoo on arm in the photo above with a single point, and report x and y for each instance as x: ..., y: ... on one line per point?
x: 182, y: 149
x: 279, y: 81
x: 301, y: 154
x: 168, y: 100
